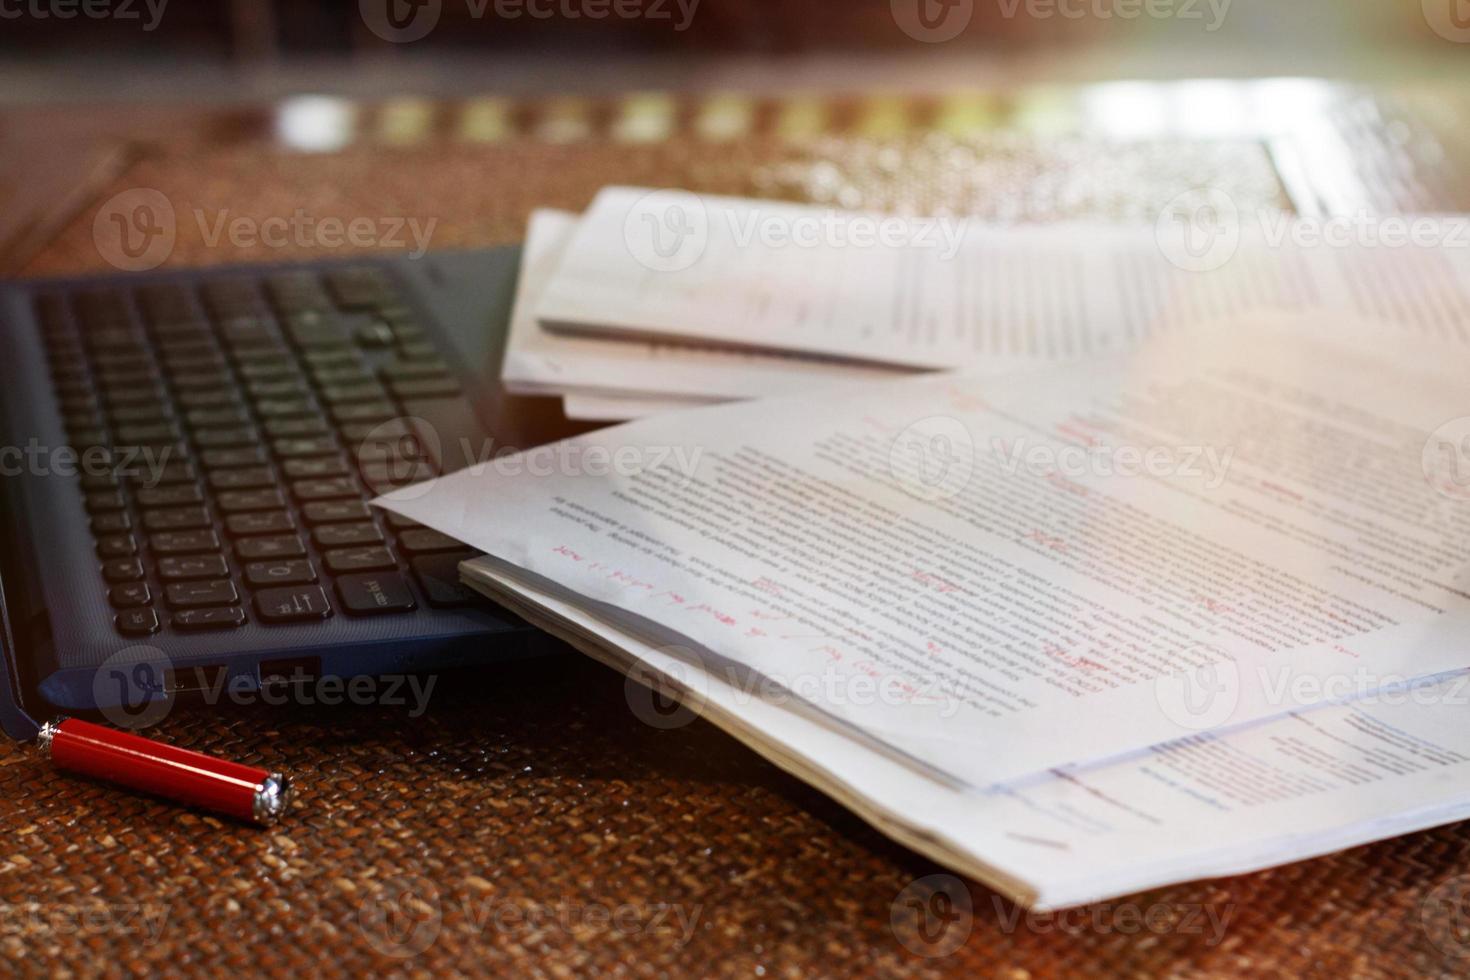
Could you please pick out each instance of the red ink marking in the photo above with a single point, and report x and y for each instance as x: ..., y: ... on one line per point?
x: 1047, y: 540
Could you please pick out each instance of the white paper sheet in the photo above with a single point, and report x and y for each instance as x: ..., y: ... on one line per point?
x: 921, y: 562
x: 538, y: 362
x: 797, y: 278
x: 1280, y: 791
x: 623, y: 408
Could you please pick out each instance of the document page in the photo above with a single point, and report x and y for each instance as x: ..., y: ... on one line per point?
x: 1294, y: 787
x: 995, y: 576
x: 538, y: 361
x: 945, y: 292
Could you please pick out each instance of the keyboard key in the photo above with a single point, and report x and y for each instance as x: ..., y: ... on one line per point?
x: 183, y: 542
x: 220, y: 398
x: 371, y: 559
x: 284, y: 390
x: 335, y: 511
x: 402, y: 471
x: 194, y: 566
x: 246, y: 478
x: 380, y: 411
x: 137, y: 622
x: 229, y: 617
x: 116, y: 546
x: 328, y: 489
x: 372, y: 593
x: 130, y: 596
x: 104, y: 501
x: 177, y: 519
x: 177, y: 495
x: 346, y: 394
x: 173, y: 471
x: 227, y: 416
x: 426, y: 388
x: 222, y: 459
x: 347, y: 535
x: 400, y: 523
x: 414, y: 370
x: 312, y: 468
x: 297, y: 448
x: 293, y: 604
x: 264, y: 522
x: 267, y: 573
x: 123, y: 570
x: 239, y: 435
x: 295, y: 428
x: 192, y: 595
x: 439, y: 577
x: 112, y: 523
x: 279, y: 546
x: 426, y: 541
x: 287, y: 408
x: 235, y: 501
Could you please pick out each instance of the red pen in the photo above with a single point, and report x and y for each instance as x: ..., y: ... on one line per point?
x: 243, y: 792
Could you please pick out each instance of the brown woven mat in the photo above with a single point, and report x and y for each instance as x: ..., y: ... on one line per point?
x: 527, y: 823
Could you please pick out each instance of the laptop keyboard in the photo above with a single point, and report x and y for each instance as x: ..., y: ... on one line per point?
x: 230, y: 433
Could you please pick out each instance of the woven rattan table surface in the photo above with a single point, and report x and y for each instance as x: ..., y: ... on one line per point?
x: 528, y: 822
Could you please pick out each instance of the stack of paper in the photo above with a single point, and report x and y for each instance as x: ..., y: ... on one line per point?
x: 1183, y: 612
x: 656, y: 300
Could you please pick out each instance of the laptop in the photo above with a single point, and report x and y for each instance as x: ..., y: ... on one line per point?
x: 186, y: 460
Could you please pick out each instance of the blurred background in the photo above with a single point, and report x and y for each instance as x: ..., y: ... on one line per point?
x: 1007, y: 109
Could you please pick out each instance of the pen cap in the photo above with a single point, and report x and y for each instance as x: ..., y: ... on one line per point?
x: 244, y: 792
